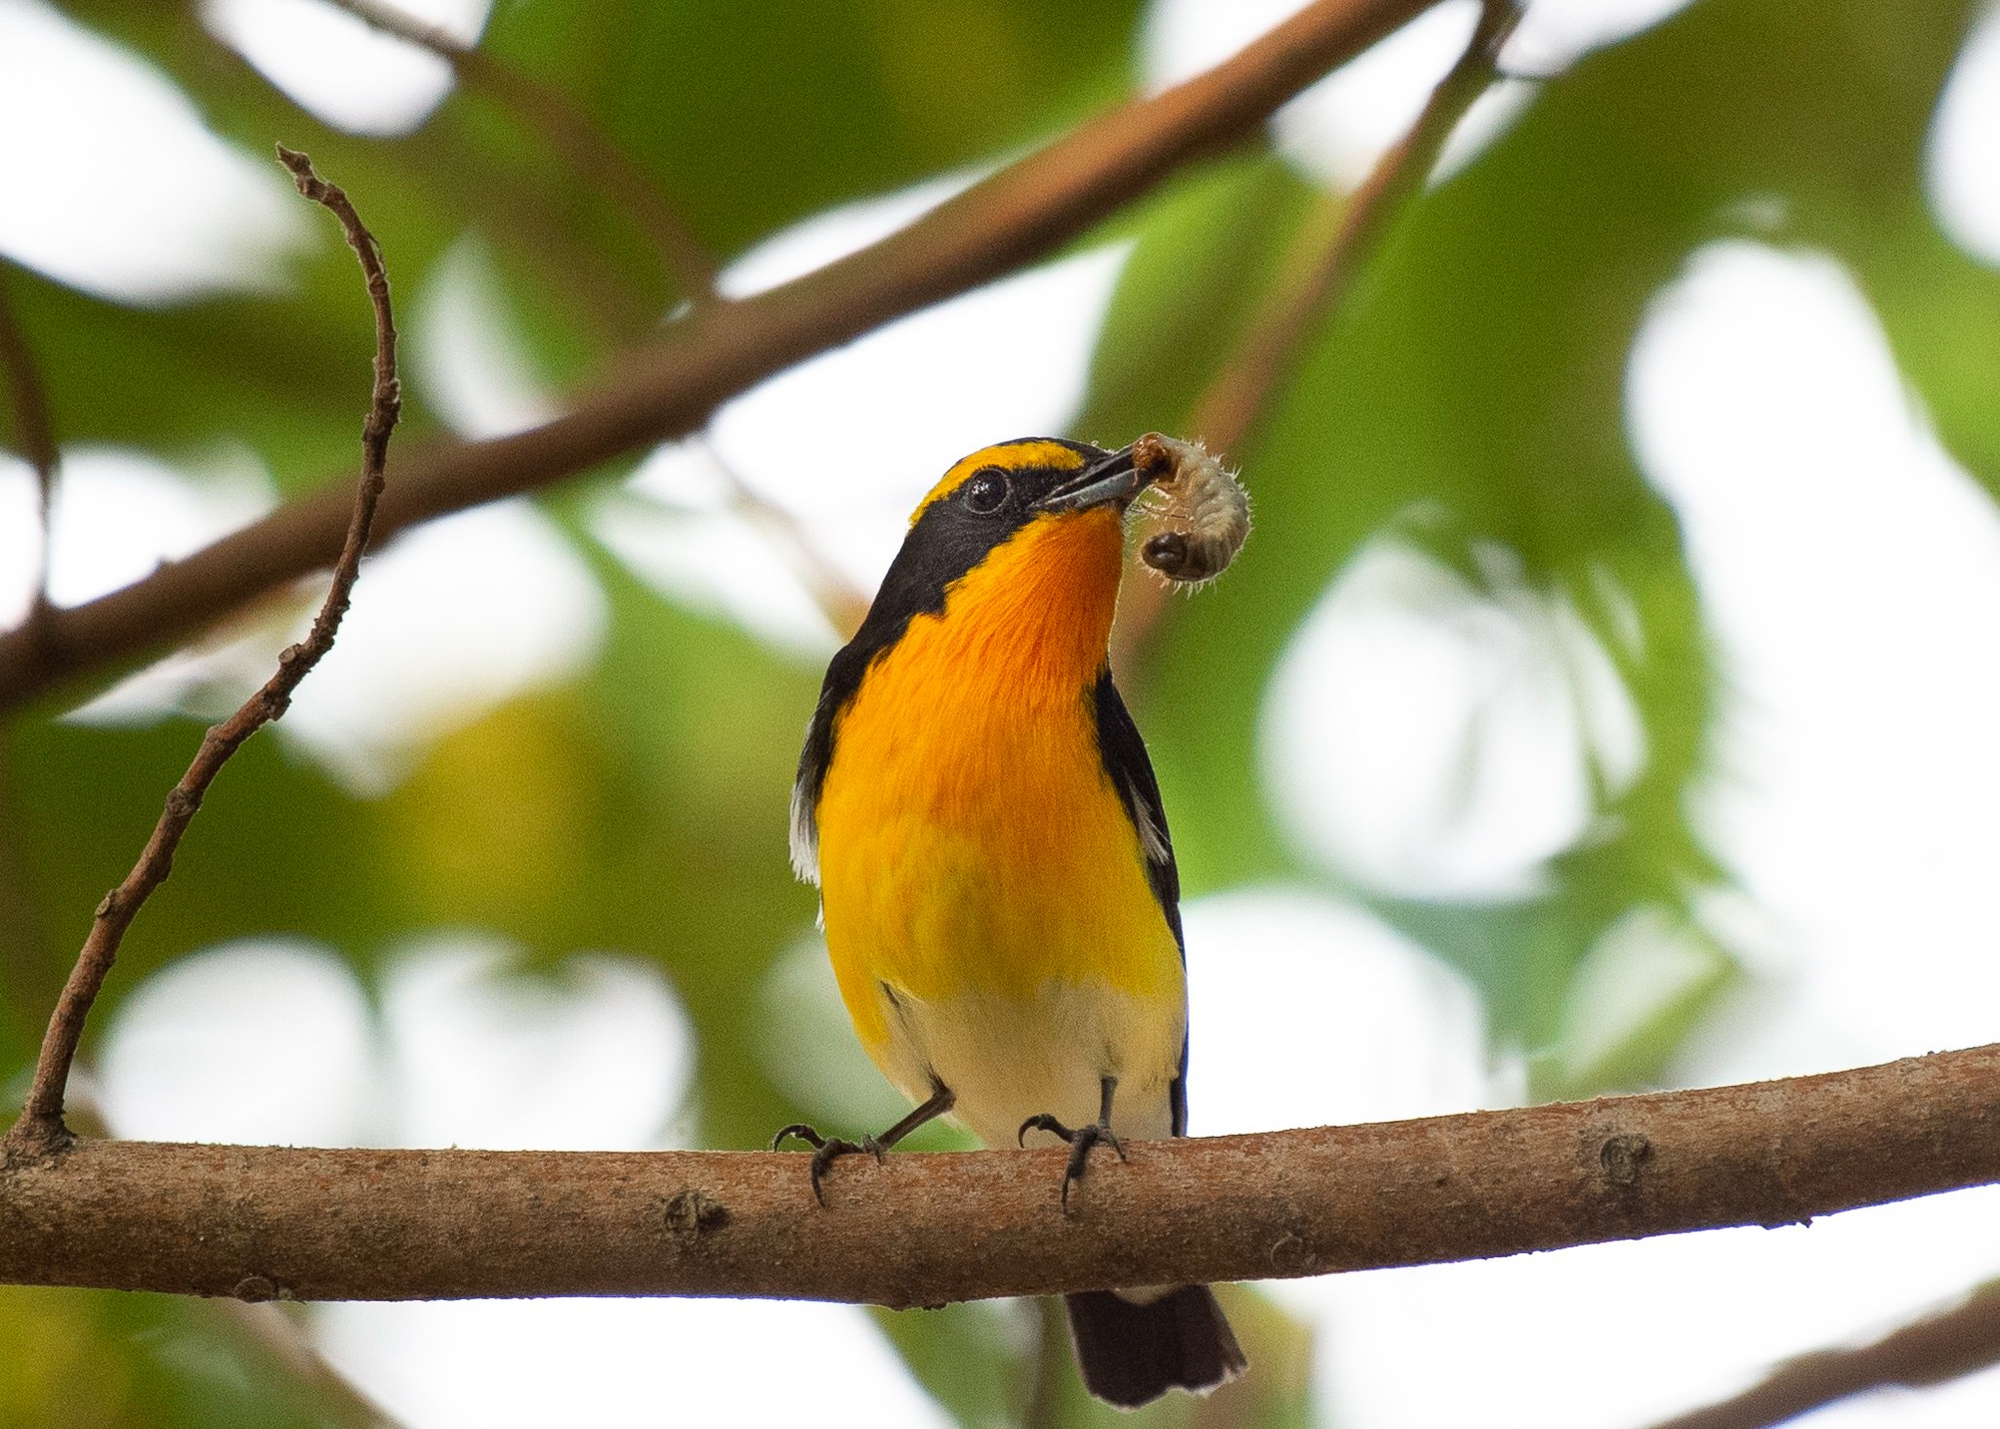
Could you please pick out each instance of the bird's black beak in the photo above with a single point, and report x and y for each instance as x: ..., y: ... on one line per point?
x: 1110, y: 478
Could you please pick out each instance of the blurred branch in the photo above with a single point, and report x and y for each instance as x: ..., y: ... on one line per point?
x: 1934, y: 1350
x: 28, y: 958
x: 840, y: 600
x: 1318, y: 275
x: 282, y: 1338
x: 1048, y: 1365
x: 1331, y: 249
x: 923, y: 1229
x: 570, y: 131
x: 442, y: 160
x: 35, y: 439
x: 1024, y: 211
x: 40, y: 1129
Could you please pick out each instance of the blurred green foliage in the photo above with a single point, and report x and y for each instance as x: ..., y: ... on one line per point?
x: 1474, y: 378
x: 81, y: 1360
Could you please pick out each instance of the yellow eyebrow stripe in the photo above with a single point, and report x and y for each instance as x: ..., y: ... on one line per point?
x: 1008, y: 456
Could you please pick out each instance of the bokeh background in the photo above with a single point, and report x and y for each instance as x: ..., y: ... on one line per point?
x: 1606, y: 698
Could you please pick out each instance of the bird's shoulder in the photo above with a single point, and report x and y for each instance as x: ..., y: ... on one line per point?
x: 843, y: 678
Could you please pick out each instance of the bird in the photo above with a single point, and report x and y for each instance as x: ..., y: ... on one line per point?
x: 997, y: 884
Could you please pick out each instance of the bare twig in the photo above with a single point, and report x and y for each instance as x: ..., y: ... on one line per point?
x: 840, y: 600
x: 1934, y: 1350
x: 40, y: 1129
x: 570, y: 131
x: 1329, y: 253
x: 922, y: 1229
x: 385, y: 400
x: 35, y: 439
x: 1020, y: 213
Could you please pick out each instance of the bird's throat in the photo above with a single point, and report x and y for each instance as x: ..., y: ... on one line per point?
x: 1027, y: 628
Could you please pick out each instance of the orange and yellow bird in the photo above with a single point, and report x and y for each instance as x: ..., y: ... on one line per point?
x: 997, y: 885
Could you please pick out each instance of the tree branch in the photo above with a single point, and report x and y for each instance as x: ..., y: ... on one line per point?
x: 1021, y: 213
x: 1934, y: 1350
x: 923, y: 1229
x: 40, y: 1128
x: 572, y: 133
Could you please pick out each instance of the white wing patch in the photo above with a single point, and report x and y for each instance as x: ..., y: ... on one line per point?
x: 805, y: 835
x: 1152, y: 838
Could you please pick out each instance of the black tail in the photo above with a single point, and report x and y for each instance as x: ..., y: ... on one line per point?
x: 1131, y: 1354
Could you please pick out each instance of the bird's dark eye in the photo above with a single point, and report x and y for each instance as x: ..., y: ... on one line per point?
x: 986, y: 491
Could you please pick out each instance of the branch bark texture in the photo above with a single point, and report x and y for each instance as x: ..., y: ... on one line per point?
x: 929, y: 1228
x: 1024, y: 212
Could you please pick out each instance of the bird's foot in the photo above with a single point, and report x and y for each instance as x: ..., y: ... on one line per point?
x: 1081, y: 1139
x: 826, y: 1150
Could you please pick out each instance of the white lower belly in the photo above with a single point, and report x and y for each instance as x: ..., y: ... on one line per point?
x: 1008, y: 1058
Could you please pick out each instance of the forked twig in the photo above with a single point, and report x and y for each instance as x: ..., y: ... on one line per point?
x: 41, y: 1130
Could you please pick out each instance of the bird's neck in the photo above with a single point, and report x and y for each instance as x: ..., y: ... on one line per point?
x: 1029, y: 625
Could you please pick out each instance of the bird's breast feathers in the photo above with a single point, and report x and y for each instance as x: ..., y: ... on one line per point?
x: 981, y: 873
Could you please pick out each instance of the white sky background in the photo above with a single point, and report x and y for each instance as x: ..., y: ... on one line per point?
x: 1852, y: 573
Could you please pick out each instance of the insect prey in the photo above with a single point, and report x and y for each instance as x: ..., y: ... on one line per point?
x: 1197, y: 523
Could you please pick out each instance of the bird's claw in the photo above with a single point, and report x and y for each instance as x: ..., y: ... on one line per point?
x: 826, y: 1149
x: 1042, y: 1122
x: 1081, y: 1139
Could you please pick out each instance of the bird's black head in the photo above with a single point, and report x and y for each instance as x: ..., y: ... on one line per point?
x: 984, y: 501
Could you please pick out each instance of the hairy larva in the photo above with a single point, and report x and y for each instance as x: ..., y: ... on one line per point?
x: 1199, y: 519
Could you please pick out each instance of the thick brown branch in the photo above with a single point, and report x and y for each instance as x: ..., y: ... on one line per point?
x: 1019, y: 214
x: 570, y: 131
x: 924, y: 1229
x: 40, y: 1128
x: 1938, y: 1348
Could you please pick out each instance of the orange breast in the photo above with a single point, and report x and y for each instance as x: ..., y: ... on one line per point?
x: 970, y: 840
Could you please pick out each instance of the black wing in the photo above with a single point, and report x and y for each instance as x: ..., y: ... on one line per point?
x: 1131, y: 774
x: 843, y: 678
